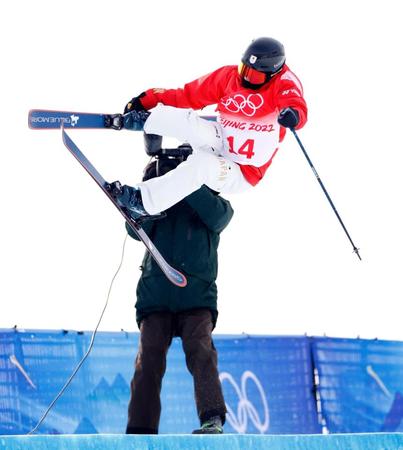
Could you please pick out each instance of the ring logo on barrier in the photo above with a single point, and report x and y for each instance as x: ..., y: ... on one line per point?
x: 245, y: 409
x: 247, y: 105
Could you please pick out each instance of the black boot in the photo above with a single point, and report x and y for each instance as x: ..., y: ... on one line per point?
x: 134, y: 120
x: 210, y: 426
x: 129, y: 198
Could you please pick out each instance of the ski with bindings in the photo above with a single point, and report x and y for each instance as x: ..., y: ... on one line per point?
x: 174, y: 276
x: 43, y: 119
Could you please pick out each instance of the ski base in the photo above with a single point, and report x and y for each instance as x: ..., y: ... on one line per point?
x: 173, y: 275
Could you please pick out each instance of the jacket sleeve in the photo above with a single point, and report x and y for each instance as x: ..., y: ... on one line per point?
x: 197, y: 94
x: 214, y: 211
x: 289, y: 93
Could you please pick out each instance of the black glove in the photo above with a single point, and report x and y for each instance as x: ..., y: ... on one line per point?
x: 288, y: 118
x: 135, y: 104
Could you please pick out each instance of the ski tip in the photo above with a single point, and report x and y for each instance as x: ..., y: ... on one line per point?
x: 30, y: 113
x: 177, y: 278
x: 184, y: 283
x: 39, y: 119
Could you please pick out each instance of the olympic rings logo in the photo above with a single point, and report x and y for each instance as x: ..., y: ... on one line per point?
x: 247, y: 105
x: 246, y: 409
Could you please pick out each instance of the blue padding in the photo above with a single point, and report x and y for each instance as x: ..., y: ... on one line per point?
x: 267, y: 384
x: 233, y: 442
x: 360, y: 384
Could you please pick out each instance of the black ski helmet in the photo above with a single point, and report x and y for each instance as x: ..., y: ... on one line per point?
x: 265, y: 55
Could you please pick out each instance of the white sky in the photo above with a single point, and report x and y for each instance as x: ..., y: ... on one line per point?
x: 286, y: 266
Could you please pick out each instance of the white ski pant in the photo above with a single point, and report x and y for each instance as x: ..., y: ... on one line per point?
x: 205, y: 165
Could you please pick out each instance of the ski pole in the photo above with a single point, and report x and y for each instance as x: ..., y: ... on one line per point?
x: 356, y: 250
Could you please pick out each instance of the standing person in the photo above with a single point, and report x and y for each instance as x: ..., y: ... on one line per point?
x: 256, y: 102
x: 188, y: 235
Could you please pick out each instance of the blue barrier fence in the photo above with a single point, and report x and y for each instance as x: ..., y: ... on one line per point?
x: 268, y: 384
x: 360, y: 384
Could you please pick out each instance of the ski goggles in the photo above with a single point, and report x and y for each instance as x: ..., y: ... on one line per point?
x: 250, y: 75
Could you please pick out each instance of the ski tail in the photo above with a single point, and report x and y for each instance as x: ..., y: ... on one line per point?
x: 173, y: 275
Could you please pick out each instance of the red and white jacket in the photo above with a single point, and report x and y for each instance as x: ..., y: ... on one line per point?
x: 248, y: 117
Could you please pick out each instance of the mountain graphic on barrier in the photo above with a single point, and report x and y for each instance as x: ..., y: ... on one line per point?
x: 121, y: 388
x: 106, y: 405
x: 85, y: 427
x: 118, y: 391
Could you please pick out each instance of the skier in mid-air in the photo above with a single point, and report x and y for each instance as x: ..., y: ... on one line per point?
x: 255, y: 103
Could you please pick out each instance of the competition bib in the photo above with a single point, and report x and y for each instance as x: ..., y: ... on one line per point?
x: 249, y: 141
x: 250, y: 128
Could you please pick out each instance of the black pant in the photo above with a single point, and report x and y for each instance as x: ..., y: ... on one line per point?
x: 156, y: 333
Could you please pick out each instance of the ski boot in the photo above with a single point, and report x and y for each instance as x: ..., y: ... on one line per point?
x: 211, y: 426
x: 129, y: 198
x: 134, y: 120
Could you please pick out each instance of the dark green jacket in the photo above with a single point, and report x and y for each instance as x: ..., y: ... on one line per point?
x: 188, y: 238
